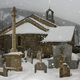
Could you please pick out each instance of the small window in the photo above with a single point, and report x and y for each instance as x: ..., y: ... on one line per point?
x: 19, y: 40
x: 50, y: 13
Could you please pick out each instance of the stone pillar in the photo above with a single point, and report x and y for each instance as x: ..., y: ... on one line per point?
x: 13, y: 30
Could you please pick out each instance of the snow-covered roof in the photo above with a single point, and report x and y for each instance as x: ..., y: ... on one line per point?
x: 45, y: 26
x: 60, y: 34
x: 27, y: 28
x: 42, y: 21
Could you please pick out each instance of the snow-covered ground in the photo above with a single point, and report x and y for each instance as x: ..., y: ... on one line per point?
x: 28, y: 73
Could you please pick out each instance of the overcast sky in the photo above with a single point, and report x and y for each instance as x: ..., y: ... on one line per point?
x: 67, y: 9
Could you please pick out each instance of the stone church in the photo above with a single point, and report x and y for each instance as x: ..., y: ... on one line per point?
x: 30, y: 31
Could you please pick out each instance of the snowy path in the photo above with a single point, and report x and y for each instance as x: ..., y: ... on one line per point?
x: 28, y: 74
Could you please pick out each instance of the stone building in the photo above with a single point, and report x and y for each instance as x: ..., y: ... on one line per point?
x: 29, y: 32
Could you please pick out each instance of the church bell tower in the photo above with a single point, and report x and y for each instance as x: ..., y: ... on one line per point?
x: 50, y: 14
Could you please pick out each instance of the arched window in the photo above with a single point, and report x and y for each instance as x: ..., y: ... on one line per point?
x: 50, y: 15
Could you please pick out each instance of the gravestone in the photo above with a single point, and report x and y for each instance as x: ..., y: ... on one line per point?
x: 67, y: 52
x: 64, y: 70
x: 25, y: 57
x: 3, y: 70
x: 29, y: 55
x: 39, y: 55
x: 74, y: 61
x: 50, y: 63
x: 1, y: 61
x: 40, y: 65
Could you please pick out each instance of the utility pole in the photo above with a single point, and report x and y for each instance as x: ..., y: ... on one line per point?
x: 13, y: 30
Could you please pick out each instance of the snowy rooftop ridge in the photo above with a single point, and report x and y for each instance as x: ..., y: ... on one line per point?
x: 60, y: 34
x: 45, y: 20
x: 40, y: 23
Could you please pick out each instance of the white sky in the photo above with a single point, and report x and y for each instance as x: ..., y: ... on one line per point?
x: 67, y: 9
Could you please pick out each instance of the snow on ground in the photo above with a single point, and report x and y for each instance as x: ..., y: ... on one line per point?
x: 28, y: 73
